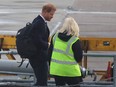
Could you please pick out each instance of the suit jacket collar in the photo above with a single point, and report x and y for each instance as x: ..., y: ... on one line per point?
x: 43, y: 18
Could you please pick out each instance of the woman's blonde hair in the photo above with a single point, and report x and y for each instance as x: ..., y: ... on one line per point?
x: 70, y: 25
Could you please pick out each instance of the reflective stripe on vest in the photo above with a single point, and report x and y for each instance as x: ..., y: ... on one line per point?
x: 64, y: 62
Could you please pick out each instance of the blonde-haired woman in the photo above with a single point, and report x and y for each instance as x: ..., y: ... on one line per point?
x: 65, y: 53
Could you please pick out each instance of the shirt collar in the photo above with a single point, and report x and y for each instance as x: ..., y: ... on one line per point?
x: 43, y: 18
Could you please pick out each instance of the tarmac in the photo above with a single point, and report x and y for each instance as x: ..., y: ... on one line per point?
x: 96, y: 18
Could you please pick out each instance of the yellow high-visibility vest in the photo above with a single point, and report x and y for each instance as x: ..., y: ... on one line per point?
x: 62, y: 61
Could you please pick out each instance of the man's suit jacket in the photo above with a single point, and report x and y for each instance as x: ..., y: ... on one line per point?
x: 40, y: 35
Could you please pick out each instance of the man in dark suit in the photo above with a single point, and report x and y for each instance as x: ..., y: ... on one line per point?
x: 40, y: 35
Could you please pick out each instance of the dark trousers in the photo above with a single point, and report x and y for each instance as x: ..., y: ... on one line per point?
x: 40, y: 70
x: 71, y: 81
